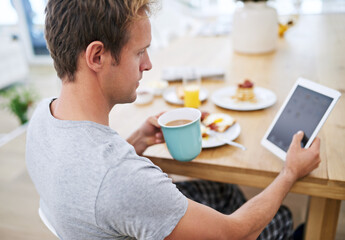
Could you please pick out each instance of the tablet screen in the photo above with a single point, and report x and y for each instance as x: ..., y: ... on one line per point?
x: 303, y: 111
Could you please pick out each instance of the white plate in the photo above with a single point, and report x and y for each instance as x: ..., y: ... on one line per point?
x: 231, y: 134
x: 223, y: 98
x: 171, y: 97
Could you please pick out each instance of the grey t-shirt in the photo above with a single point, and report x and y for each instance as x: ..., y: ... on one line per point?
x: 93, y: 185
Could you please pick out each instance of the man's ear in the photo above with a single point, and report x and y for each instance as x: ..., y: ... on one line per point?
x: 94, y: 55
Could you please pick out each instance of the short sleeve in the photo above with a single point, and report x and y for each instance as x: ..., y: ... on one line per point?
x: 138, y: 200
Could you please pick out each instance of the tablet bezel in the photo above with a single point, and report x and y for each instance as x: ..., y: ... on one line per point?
x: 314, y: 87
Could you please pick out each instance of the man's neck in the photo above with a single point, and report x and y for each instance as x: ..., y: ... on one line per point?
x: 81, y: 100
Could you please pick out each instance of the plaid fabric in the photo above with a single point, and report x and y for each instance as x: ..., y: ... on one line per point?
x: 226, y: 198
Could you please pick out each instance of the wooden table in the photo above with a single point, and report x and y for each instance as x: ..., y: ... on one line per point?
x: 315, y: 49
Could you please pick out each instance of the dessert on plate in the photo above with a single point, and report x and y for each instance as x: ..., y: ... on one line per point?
x: 245, y: 92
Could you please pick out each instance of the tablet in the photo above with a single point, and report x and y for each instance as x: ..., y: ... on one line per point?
x: 306, y: 108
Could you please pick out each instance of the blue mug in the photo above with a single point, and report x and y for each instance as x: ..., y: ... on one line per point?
x: 182, y: 134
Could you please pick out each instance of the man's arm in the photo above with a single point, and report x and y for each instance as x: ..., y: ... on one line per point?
x: 202, y: 222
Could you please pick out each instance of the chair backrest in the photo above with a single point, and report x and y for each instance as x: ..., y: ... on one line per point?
x: 46, y: 222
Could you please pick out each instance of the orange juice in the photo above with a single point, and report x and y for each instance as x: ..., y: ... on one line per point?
x: 191, y: 96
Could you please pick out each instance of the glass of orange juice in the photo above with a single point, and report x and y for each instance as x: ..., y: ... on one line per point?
x: 191, y: 88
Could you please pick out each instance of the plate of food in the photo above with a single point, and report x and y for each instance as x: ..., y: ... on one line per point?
x: 175, y: 95
x: 222, y: 126
x: 244, y: 97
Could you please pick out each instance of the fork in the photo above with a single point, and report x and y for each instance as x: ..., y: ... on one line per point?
x: 224, y: 140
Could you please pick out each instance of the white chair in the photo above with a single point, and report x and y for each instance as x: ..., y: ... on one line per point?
x: 46, y: 222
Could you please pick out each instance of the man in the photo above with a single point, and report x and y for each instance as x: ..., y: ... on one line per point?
x: 95, y: 185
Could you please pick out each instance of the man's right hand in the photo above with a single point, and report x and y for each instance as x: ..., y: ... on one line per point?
x: 301, y: 161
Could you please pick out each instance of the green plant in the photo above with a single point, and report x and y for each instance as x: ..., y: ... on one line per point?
x: 18, y: 100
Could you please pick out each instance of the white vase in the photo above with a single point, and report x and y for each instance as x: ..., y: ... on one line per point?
x: 255, y: 28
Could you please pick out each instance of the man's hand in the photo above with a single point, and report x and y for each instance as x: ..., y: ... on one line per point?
x: 300, y: 161
x: 148, y: 134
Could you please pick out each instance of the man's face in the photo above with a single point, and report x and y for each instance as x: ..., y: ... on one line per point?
x: 120, y: 81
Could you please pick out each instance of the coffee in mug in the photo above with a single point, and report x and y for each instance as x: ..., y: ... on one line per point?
x: 178, y: 122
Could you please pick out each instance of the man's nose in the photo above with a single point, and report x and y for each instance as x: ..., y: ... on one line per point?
x: 146, y: 65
